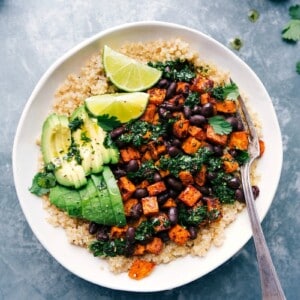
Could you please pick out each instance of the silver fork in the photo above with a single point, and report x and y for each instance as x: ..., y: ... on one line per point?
x: 270, y: 284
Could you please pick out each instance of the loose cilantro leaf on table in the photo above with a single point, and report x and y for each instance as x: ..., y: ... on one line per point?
x: 228, y: 91
x: 220, y: 125
x: 253, y: 15
x: 294, y: 12
x: 291, y: 31
x: 236, y: 44
x: 108, y: 123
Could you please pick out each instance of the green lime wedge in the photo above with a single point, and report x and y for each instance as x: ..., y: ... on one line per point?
x: 123, y: 106
x: 128, y: 74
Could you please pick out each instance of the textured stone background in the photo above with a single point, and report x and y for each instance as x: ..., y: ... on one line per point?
x: 33, y: 34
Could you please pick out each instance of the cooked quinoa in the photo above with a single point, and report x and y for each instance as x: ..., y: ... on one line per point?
x: 92, y: 81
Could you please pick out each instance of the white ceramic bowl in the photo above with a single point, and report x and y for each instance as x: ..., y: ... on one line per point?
x: 25, y: 154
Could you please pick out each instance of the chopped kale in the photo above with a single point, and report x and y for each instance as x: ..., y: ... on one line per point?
x: 192, y: 99
x: 146, y: 230
x: 110, y: 248
x: 176, y: 70
x: 145, y: 171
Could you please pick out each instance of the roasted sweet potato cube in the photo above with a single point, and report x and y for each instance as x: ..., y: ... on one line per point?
x: 169, y: 203
x: 129, y: 153
x: 190, y: 195
x: 149, y: 113
x: 155, y: 246
x: 201, y: 84
x: 197, y: 133
x: 157, y: 95
x: 180, y: 128
x: 128, y: 206
x: 127, y: 188
x: 177, y: 100
x: 213, y: 205
x: 139, y: 249
x: 156, y: 149
x: 226, y: 106
x: 219, y: 139
x: 186, y: 177
x: 162, y: 222
x: 150, y: 205
x: 140, y: 269
x: 118, y: 232
x: 182, y: 87
x: 146, y: 156
x: 179, y: 234
x: 191, y: 145
x: 261, y: 147
x: 156, y: 188
x: 200, y: 177
x: 143, y: 184
x: 204, y: 98
x: 238, y: 140
x: 229, y: 164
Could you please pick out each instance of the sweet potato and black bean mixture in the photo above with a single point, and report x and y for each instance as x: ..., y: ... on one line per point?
x: 179, y: 163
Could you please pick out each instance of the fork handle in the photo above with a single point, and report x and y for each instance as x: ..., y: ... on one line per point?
x: 270, y: 284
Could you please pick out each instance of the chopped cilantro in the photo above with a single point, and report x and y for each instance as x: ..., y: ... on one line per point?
x: 84, y: 137
x: 236, y: 44
x: 242, y: 157
x: 298, y: 67
x: 220, y: 125
x: 75, y: 124
x: 253, y: 15
x: 107, y: 122
x: 192, y: 99
x: 146, y: 230
x: 228, y: 91
x: 42, y: 182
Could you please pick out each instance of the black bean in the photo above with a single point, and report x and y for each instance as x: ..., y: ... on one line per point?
x: 171, y: 90
x: 173, y: 193
x: 164, y: 236
x: 117, y: 132
x: 140, y: 193
x: 173, y: 215
x: 240, y: 126
x: 205, y: 190
x: 233, y: 152
x: 164, y: 113
x: 239, y: 195
x: 187, y: 111
x: 118, y: 172
x: 171, y: 106
x: 156, y: 177
x: 173, y: 151
x: 197, y: 110
x: 163, y: 83
x: 176, y: 143
x: 255, y: 191
x: 136, y: 211
x: 128, y: 249
x: 174, y: 183
x: 147, y: 239
x: 162, y: 198
x: 207, y: 110
x: 209, y: 147
x: 197, y: 120
x: 218, y: 150
x: 132, y: 166
x: 234, y: 183
x: 130, y: 234
x: 93, y: 227
x: 193, y: 232
x: 120, y: 144
x: 233, y: 121
x: 211, y: 175
x: 102, y: 235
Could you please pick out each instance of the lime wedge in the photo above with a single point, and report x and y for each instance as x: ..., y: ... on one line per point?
x: 128, y: 74
x: 123, y: 106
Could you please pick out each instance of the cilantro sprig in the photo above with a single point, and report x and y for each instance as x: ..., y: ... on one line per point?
x: 229, y: 91
x: 108, y: 123
x: 220, y: 125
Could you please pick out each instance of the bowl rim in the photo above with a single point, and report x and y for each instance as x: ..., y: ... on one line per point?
x: 79, y: 47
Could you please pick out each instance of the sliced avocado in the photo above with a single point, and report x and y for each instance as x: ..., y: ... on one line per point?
x: 88, y: 138
x: 104, y: 197
x: 55, y: 145
x: 66, y: 199
x: 115, y: 196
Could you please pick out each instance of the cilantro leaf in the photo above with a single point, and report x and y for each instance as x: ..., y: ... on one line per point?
x: 291, y: 31
x: 220, y: 125
x: 228, y: 91
x: 294, y: 12
x: 42, y: 182
x: 75, y: 124
x: 298, y: 67
x: 108, y: 123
